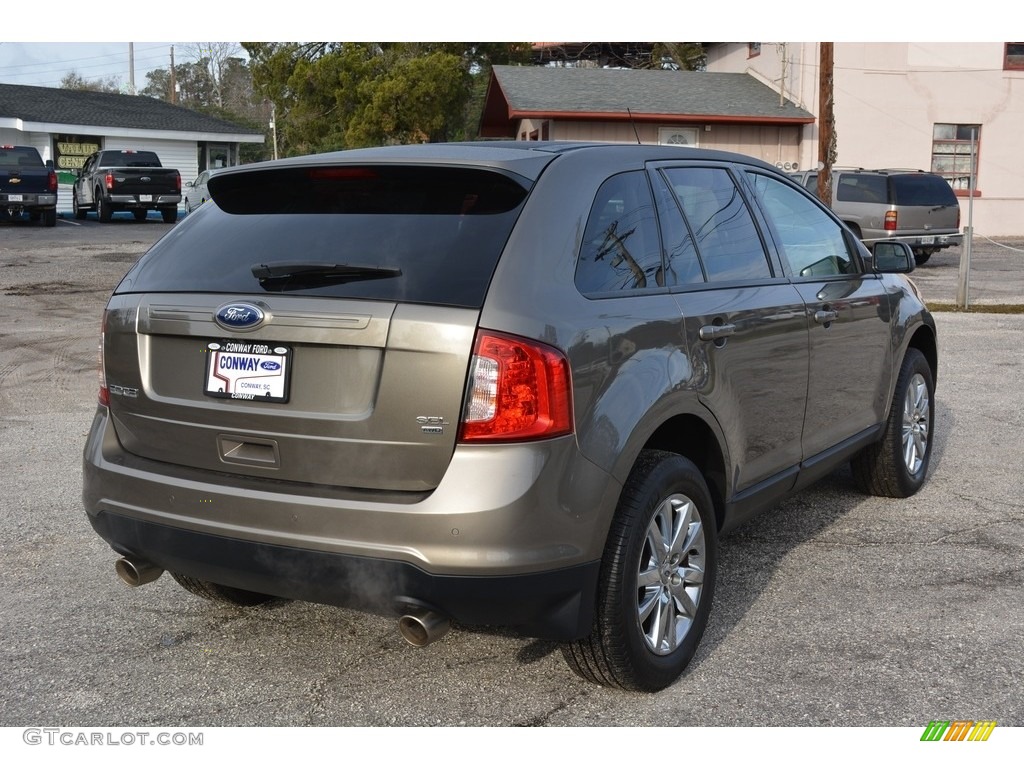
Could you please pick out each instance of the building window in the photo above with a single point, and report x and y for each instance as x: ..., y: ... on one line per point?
x: 1013, y: 56
x: 753, y: 49
x: 678, y: 135
x: 952, y: 153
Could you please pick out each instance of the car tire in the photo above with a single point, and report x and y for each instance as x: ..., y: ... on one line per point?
x: 50, y: 218
x: 103, y: 211
x: 654, y: 589
x: 79, y: 212
x: 897, y: 464
x: 140, y: 214
x: 170, y: 215
x: 184, y: 205
x: 921, y: 257
x: 219, y: 593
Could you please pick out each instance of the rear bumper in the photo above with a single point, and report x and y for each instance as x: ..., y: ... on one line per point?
x: 155, y: 201
x: 501, y: 541
x: 917, y: 241
x: 554, y: 604
x: 28, y: 200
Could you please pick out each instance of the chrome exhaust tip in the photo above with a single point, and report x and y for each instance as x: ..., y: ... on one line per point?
x: 421, y: 628
x: 135, y: 573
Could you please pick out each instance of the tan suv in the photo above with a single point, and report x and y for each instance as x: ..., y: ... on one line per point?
x: 524, y: 384
x: 914, y: 207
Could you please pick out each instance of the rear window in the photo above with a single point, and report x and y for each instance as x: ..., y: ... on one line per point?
x: 418, y: 234
x: 22, y: 157
x: 922, y: 189
x: 130, y: 159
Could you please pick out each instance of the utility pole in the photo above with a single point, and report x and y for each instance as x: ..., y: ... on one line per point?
x: 174, y: 85
x: 826, y: 124
x: 131, y: 68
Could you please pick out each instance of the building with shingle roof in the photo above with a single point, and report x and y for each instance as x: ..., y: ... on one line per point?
x: 735, y: 112
x: 66, y: 126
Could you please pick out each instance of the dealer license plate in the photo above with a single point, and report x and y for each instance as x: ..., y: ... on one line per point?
x: 15, y: 198
x: 929, y: 240
x: 248, y: 370
x: 145, y: 198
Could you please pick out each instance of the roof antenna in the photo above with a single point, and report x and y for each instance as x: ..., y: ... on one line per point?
x: 635, y: 132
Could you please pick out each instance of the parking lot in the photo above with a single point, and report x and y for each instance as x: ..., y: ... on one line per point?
x: 834, y: 609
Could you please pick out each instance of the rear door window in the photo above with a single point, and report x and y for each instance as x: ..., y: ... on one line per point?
x: 392, y: 233
x: 862, y: 188
x: 723, y: 229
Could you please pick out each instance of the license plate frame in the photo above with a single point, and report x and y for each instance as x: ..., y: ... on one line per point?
x: 248, y: 371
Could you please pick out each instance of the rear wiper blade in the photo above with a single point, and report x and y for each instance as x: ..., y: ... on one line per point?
x: 294, y: 274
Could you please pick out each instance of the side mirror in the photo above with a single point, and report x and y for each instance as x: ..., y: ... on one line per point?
x: 190, y: 183
x: 49, y: 165
x: 892, y: 256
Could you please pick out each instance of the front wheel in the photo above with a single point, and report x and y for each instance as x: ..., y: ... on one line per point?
x: 657, y: 579
x: 79, y: 212
x: 896, y: 465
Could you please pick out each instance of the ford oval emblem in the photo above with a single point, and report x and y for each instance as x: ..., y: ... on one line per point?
x: 239, y: 316
x: 270, y: 365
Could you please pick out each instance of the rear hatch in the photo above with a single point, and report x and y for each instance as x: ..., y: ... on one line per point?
x: 925, y: 203
x: 315, y: 324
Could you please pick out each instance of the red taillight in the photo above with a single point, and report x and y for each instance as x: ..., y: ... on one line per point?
x: 518, y: 390
x: 109, y: 179
x: 177, y: 181
x: 104, y: 395
x: 51, y: 182
x: 890, y: 221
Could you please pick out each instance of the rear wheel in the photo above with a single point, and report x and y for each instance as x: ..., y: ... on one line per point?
x: 657, y: 579
x: 140, y: 214
x: 921, y: 257
x: 50, y: 218
x: 896, y: 465
x: 218, y: 593
x: 170, y: 215
x: 103, y: 210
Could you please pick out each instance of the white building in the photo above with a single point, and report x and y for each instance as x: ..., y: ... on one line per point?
x: 66, y: 126
x: 911, y: 105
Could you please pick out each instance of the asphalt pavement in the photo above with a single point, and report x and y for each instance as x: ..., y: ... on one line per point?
x: 833, y: 609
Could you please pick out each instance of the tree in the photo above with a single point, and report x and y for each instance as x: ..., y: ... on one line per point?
x: 194, y: 89
x: 215, y: 58
x: 73, y: 81
x: 340, y: 95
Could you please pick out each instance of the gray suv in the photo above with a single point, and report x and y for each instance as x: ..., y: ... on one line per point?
x: 516, y: 384
x: 914, y: 207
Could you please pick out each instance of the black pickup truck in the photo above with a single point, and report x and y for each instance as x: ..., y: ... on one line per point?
x: 126, y: 180
x: 27, y: 185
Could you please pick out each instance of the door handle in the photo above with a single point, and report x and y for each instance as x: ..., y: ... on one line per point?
x: 825, y: 316
x: 715, y: 332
